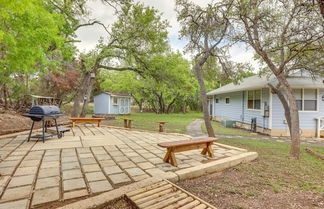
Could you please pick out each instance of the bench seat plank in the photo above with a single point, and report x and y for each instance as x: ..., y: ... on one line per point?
x: 187, y: 142
x: 86, y: 120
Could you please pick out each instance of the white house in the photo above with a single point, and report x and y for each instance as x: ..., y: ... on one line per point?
x: 252, y: 101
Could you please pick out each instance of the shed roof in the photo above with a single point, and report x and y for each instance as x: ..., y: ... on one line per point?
x: 256, y: 82
x: 119, y: 94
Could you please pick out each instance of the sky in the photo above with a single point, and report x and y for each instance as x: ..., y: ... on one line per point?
x: 90, y: 35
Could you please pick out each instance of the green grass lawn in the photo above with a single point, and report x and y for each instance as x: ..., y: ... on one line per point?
x: 221, y: 130
x: 177, y: 123
x: 273, y: 180
x: 276, y: 169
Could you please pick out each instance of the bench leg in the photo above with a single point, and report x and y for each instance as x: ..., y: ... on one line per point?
x: 73, y: 124
x: 167, y: 156
x: 99, y: 123
x: 173, y: 159
x: 204, y: 151
x: 129, y: 124
x: 125, y: 123
x: 210, y: 150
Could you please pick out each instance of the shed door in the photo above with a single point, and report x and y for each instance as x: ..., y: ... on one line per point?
x: 123, y: 107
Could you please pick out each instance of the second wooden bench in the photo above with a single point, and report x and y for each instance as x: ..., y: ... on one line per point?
x: 185, y: 145
x: 86, y: 120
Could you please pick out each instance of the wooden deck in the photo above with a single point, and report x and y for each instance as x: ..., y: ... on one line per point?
x: 166, y: 195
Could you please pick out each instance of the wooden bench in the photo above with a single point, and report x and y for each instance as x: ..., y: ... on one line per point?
x: 127, y: 122
x: 86, y: 120
x: 184, y: 145
x: 161, y: 125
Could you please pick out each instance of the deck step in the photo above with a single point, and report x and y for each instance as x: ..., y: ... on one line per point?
x: 166, y: 195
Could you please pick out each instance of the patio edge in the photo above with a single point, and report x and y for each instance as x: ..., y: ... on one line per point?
x: 215, y: 166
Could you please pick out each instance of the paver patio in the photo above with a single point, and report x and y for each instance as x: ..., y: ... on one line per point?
x: 88, y: 160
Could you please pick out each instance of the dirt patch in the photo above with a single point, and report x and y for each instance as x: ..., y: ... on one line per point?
x: 11, y: 122
x: 233, y: 189
x: 120, y: 203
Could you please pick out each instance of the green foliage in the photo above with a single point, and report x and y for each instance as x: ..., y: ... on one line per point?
x: 168, y: 82
x: 138, y: 34
x: 27, y: 30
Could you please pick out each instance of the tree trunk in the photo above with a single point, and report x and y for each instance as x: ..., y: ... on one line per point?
x: 294, y: 118
x: 138, y: 102
x: 5, y: 96
x: 80, y: 95
x: 203, y: 95
x: 184, y: 107
x: 171, y: 103
x: 88, y: 95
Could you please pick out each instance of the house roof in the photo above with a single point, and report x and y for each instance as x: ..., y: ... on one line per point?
x: 256, y: 82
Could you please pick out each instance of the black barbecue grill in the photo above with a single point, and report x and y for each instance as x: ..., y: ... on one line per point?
x: 44, y: 113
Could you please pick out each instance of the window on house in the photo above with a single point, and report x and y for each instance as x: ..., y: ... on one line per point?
x: 254, y: 99
x: 227, y: 100
x: 306, y: 99
x: 216, y: 100
x: 114, y: 101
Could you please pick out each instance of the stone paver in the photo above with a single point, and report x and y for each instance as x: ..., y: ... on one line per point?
x: 127, y: 164
x: 119, y: 178
x: 75, y: 194
x: 20, y: 204
x: 91, y: 168
x: 134, y: 171
x: 72, y: 184
x: 100, y: 186
x: 72, y: 174
x: 70, y: 165
x: 46, y: 195
x: 146, y: 165
x: 112, y: 169
x: 47, y: 182
x: 21, y: 181
x: 48, y: 172
x: 25, y: 171
x: 82, y: 164
x: 17, y: 193
x: 95, y: 176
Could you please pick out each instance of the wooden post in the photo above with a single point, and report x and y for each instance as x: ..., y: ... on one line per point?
x: 161, y: 127
x: 129, y: 123
x: 125, y: 123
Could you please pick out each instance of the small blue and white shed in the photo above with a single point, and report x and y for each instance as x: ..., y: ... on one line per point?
x: 108, y: 103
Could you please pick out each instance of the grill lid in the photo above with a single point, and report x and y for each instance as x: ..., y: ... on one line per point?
x: 44, y: 110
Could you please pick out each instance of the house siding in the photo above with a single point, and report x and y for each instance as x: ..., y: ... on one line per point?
x: 101, y: 103
x: 232, y: 111
x: 237, y: 109
x: 307, y: 119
